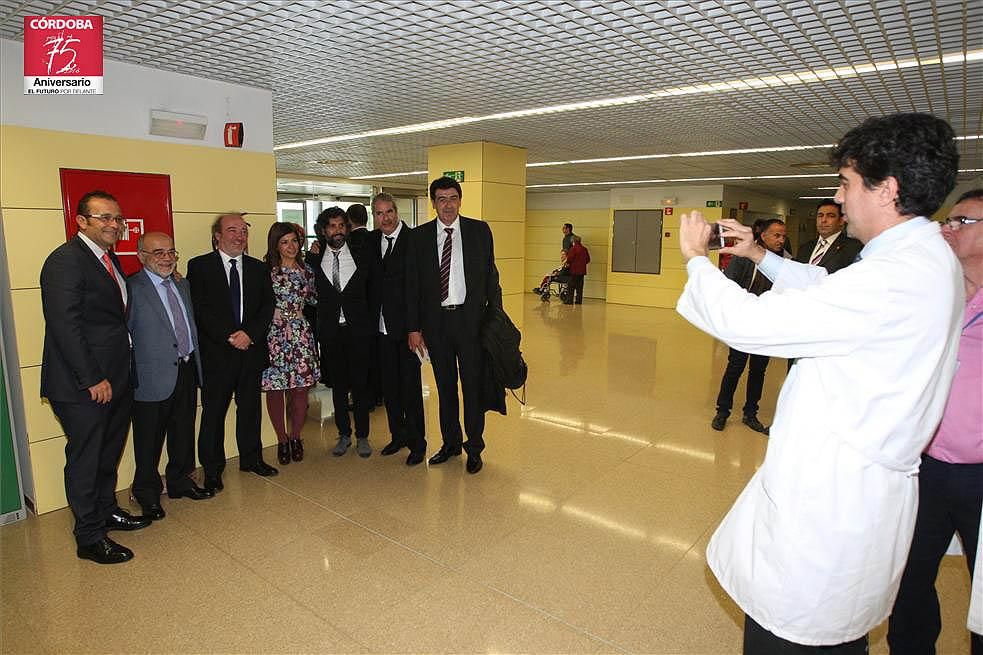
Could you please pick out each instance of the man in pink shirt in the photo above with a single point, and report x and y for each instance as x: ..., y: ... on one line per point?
x: 950, y: 492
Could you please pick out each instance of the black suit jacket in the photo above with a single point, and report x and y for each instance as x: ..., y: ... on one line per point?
x: 358, y: 298
x: 392, y: 280
x: 423, y: 276
x: 358, y: 239
x: 840, y: 254
x: 85, y: 335
x: 213, y: 311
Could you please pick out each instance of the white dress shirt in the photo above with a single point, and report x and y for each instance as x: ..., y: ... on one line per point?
x: 346, y: 269
x: 457, y: 290
x: 814, y: 547
x: 382, y: 251
x: 228, y: 269
x: 98, y: 251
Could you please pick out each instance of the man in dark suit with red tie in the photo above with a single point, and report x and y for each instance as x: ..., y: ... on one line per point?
x: 347, y: 319
x: 833, y: 249
x: 85, y: 372
x: 402, y: 388
x: 233, y: 301
x: 451, y: 280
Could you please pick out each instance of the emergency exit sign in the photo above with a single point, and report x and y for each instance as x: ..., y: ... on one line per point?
x: 714, y: 203
x: 455, y: 175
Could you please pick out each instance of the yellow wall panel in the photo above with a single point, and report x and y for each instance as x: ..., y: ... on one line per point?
x: 202, y: 178
x: 41, y: 421
x: 510, y: 274
x: 44, y: 230
x: 47, y: 468
x: 505, y: 164
x: 514, y: 305
x: 509, y: 239
x: 503, y: 202
x: 28, y: 324
x: 465, y: 157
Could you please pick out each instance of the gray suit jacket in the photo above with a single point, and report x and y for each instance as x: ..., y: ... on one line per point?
x: 154, y: 345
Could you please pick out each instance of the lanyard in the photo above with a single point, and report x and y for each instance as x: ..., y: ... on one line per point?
x: 973, y: 320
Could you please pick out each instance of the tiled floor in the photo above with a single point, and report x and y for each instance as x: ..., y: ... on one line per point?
x: 585, y: 532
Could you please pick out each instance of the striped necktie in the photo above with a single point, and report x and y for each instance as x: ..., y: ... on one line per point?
x: 823, y: 245
x: 445, y: 264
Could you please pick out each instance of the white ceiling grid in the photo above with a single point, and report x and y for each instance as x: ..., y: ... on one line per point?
x: 340, y: 68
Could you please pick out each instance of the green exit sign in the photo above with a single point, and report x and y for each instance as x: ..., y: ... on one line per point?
x: 713, y: 203
x: 455, y: 175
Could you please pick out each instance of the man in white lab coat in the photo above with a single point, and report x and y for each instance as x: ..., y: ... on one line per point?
x: 814, y: 547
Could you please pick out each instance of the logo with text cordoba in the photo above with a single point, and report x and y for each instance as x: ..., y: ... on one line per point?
x: 63, y: 54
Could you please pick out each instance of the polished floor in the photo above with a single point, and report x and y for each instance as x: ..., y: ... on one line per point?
x: 584, y: 533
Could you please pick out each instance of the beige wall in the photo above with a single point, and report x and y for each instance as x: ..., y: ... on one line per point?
x: 204, y: 182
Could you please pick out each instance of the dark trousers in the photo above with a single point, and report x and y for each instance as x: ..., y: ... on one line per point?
x: 174, y: 418
x: 348, y: 356
x: 575, y: 290
x: 949, y: 501
x: 375, y: 389
x: 222, y: 381
x: 736, y: 361
x: 456, y: 350
x: 95, y: 436
x: 403, y: 392
x: 758, y: 641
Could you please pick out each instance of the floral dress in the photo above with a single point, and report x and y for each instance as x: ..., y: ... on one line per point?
x: 293, y: 351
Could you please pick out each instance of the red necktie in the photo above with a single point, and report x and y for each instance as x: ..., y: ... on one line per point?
x: 112, y: 272
x: 445, y: 265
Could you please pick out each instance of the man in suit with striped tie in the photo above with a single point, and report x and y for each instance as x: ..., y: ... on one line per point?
x: 833, y: 249
x: 85, y: 372
x: 451, y: 279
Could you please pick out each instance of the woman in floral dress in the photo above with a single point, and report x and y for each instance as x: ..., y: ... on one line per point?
x: 293, y: 352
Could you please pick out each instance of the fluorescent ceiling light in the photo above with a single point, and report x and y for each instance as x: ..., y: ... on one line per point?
x: 667, y: 155
x: 793, y: 78
x: 373, y: 177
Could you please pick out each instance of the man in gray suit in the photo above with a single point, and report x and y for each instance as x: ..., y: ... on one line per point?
x: 165, y: 349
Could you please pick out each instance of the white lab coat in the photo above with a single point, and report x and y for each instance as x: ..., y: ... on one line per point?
x: 814, y: 547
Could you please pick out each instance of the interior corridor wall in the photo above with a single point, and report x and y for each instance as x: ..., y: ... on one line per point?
x: 591, y: 217
x: 205, y: 181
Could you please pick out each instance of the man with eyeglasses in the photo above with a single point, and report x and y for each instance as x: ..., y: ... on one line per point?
x: 814, y: 547
x: 950, y: 488
x: 85, y: 372
x: 168, y: 367
x: 233, y: 301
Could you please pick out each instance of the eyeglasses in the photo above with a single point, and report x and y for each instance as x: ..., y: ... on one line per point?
x: 160, y: 253
x: 107, y: 218
x: 953, y: 221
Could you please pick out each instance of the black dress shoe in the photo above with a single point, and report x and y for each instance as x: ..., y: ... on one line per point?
x: 260, y: 468
x: 213, y: 484
x: 123, y: 520
x: 297, y: 450
x: 153, y: 511
x: 194, y: 492
x: 443, y: 455
x: 391, y: 448
x: 283, y: 453
x: 474, y: 464
x: 105, y: 551
x: 414, y: 458
x: 719, y: 421
x: 753, y: 423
